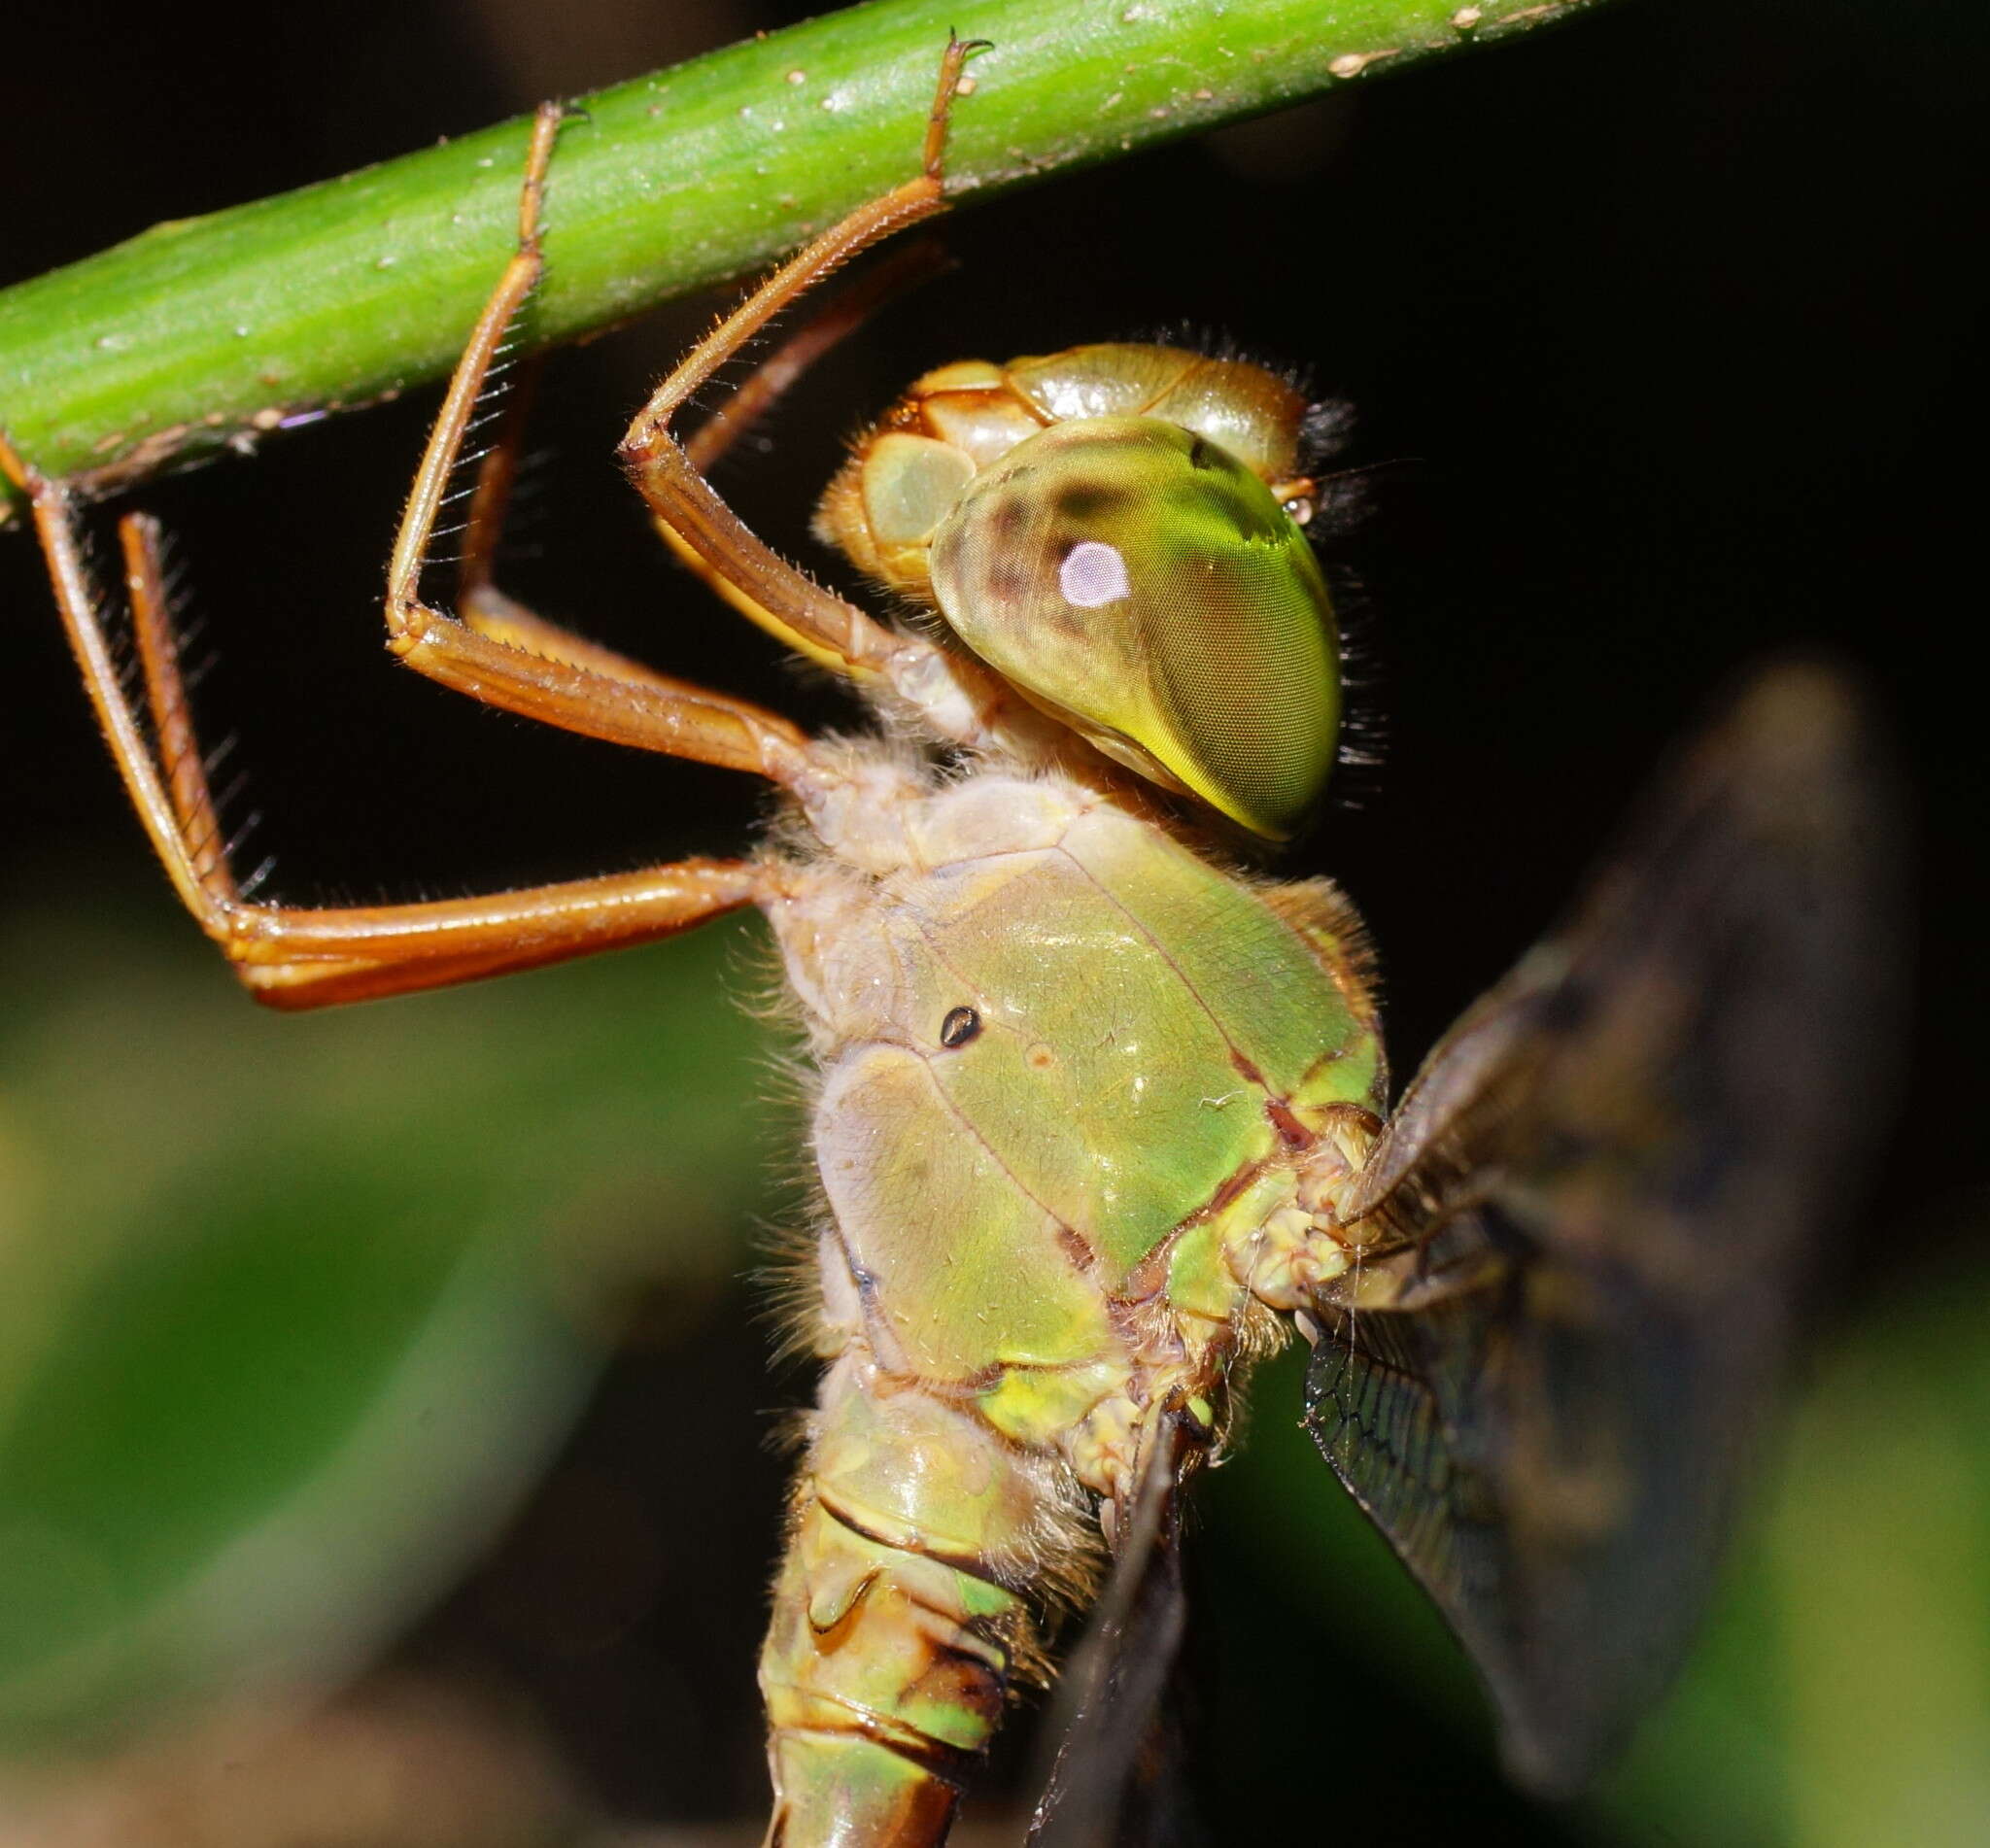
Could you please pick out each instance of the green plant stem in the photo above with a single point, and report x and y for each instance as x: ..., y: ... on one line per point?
x: 214, y: 331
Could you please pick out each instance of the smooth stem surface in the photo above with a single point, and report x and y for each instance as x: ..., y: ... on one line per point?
x: 217, y: 329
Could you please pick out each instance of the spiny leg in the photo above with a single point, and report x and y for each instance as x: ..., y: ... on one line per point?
x: 482, y: 607
x: 774, y: 376
x: 696, y: 523
x: 50, y: 504
x: 300, y: 958
x: 195, y: 814
x: 555, y: 678
x: 489, y: 611
x: 760, y: 390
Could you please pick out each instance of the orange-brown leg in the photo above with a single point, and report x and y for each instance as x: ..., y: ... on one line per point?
x: 299, y: 958
x: 696, y: 523
x: 553, y: 677
x: 485, y: 610
x: 757, y: 394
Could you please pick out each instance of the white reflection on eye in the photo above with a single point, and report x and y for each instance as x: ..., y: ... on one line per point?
x: 1093, y: 574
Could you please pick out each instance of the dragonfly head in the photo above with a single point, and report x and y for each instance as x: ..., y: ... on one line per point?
x: 1116, y: 530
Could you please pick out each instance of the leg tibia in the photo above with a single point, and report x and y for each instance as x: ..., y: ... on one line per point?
x: 896, y: 1629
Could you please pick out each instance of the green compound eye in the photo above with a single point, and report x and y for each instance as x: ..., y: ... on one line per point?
x: 1141, y: 583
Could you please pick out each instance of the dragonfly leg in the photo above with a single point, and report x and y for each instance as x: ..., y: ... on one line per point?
x: 698, y: 526
x: 487, y: 611
x: 504, y: 656
x: 294, y: 957
x: 773, y: 377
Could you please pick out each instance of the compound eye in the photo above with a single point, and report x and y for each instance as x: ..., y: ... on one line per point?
x: 1141, y: 583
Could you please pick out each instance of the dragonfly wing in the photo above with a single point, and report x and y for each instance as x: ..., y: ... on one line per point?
x: 1615, y: 1172
x: 1115, y: 1778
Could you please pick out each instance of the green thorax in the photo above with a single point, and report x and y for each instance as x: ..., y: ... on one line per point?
x: 1053, y: 1042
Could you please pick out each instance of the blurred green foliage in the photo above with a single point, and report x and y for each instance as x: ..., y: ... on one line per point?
x: 292, y: 1309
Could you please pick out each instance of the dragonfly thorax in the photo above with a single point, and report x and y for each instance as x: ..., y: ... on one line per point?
x: 1038, y: 1018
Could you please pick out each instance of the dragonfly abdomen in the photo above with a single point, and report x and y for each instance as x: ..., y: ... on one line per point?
x: 899, y: 1612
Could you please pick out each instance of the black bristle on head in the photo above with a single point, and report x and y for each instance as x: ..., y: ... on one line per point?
x: 1342, y: 504
x: 1326, y: 428
x: 1364, y: 713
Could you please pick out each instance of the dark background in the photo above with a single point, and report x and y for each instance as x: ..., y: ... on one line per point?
x: 1662, y: 340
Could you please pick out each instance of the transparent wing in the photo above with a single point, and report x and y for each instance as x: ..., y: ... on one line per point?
x: 1616, y: 1170
x: 1113, y: 1781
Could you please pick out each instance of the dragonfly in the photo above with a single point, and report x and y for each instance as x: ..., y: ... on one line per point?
x: 1100, y: 1115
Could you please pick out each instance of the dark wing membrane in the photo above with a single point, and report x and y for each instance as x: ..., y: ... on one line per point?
x: 1619, y: 1167
x: 1114, y: 1780
x: 1376, y: 1393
